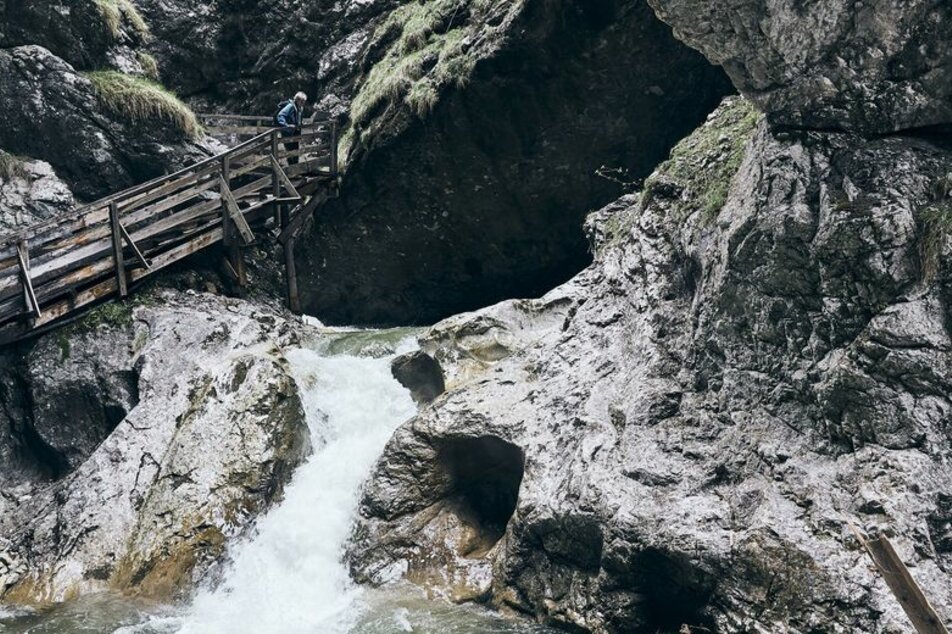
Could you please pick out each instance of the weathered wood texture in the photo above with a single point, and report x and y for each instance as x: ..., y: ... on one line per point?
x: 900, y: 582
x: 52, y: 269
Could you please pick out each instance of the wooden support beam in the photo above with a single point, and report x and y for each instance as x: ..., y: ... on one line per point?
x: 283, y: 179
x: 333, y: 148
x: 294, y: 227
x: 135, y: 248
x: 900, y: 582
x: 234, y: 214
x: 294, y: 300
x: 29, y: 296
x: 117, y: 258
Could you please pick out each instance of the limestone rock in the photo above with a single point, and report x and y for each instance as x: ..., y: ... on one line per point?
x: 420, y: 373
x: 870, y: 67
x: 759, y: 353
x: 208, y: 427
x: 34, y: 193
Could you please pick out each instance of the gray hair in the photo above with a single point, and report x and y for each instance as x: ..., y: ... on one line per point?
x: 300, y: 96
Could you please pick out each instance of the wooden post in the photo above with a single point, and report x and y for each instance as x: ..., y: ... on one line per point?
x: 333, y: 147
x: 915, y: 604
x: 116, y: 230
x: 234, y: 262
x: 294, y: 300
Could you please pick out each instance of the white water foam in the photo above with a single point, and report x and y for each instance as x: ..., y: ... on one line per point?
x: 289, y: 577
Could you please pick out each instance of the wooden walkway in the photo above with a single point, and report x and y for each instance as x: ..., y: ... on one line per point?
x: 263, y: 187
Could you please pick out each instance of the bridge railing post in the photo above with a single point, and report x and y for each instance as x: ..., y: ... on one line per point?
x: 333, y: 148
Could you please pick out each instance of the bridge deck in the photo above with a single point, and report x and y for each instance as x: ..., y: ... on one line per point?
x: 267, y: 185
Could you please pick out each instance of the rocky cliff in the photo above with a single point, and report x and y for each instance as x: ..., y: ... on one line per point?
x: 474, y: 132
x: 759, y: 355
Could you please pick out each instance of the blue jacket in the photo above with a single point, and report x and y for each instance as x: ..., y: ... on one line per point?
x: 290, y: 116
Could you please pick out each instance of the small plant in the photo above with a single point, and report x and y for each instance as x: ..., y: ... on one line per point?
x: 150, y: 67
x: 11, y: 167
x: 620, y: 176
x: 139, y: 100
x: 113, y: 12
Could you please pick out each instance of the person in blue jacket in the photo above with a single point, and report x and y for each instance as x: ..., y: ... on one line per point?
x: 289, y: 118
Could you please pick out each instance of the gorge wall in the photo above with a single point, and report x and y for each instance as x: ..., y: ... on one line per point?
x: 759, y: 355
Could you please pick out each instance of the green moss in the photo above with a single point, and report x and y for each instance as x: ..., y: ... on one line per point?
x: 705, y: 163
x: 113, y: 13
x: 11, y: 167
x: 62, y: 342
x: 150, y: 67
x: 139, y: 100
x: 428, y: 46
x: 115, y: 314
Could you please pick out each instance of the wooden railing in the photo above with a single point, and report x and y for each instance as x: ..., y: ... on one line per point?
x: 271, y: 181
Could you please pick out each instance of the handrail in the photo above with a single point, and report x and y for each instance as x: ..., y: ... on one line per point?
x: 53, y: 268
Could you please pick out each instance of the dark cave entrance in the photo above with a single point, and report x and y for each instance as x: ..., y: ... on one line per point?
x: 676, y: 593
x: 484, y: 474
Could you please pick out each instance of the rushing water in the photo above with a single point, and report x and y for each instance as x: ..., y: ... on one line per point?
x: 288, y: 578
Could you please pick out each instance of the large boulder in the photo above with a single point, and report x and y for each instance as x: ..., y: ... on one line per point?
x: 156, y: 431
x: 759, y: 356
x: 871, y: 67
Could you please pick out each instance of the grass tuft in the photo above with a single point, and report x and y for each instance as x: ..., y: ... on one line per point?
x: 427, y: 46
x: 139, y: 100
x: 113, y: 13
x: 150, y: 67
x: 11, y: 167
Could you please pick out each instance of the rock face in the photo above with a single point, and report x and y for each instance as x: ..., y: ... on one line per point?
x: 30, y: 192
x: 759, y: 354
x: 161, y: 430
x: 870, y: 67
x: 475, y: 132
x: 53, y: 114
x: 421, y: 374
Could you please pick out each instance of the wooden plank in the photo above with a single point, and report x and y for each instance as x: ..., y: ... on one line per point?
x: 234, y: 213
x: 902, y: 585
x: 333, y: 148
x: 29, y: 296
x: 117, y: 249
x: 127, y: 204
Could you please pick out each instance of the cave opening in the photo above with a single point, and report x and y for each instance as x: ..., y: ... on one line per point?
x: 484, y: 475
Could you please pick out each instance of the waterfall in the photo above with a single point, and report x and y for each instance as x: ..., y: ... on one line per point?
x: 289, y: 577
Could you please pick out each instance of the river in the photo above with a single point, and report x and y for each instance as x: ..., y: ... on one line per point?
x: 288, y: 576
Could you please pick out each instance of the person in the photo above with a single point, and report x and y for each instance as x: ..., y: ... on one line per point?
x: 290, y: 118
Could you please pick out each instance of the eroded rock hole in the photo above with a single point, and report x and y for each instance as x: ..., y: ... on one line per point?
x: 676, y: 593
x: 484, y: 477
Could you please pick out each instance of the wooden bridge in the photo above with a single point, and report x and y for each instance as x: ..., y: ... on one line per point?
x: 265, y: 187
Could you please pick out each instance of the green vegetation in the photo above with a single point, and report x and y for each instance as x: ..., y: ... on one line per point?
x: 705, y: 162
x: 150, y: 67
x: 936, y: 221
x: 139, y: 100
x: 11, y: 167
x: 697, y: 176
x: 113, y: 12
x: 428, y: 46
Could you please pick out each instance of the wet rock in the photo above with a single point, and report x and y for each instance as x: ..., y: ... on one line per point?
x: 759, y: 353
x: 420, y: 373
x: 869, y: 67
x: 207, y: 442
